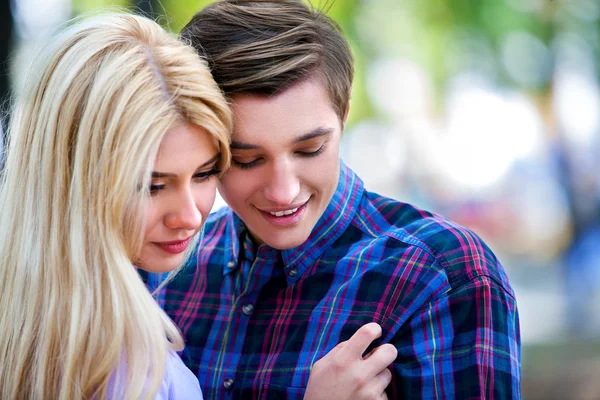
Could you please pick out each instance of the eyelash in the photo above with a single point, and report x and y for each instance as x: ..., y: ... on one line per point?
x: 245, y: 165
x: 198, y: 177
x: 312, y: 153
x: 253, y: 163
x: 206, y: 175
x: 155, y: 188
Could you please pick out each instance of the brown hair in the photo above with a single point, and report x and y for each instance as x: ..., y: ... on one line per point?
x: 264, y: 47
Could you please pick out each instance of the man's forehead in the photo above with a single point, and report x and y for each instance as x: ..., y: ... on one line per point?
x: 313, y: 83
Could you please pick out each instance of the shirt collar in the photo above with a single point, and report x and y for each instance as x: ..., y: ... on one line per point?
x: 337, y: 217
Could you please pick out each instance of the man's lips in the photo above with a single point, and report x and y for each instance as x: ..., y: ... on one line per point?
x: 284, y: 217
x: 174, y: 247
x: 282, y: 211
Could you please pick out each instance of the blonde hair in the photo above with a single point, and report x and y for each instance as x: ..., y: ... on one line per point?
x: 76, y: 319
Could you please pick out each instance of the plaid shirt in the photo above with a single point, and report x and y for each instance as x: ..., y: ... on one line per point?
x: 256, y: 319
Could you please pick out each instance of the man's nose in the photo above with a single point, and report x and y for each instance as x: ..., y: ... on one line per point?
x: 283, y: 184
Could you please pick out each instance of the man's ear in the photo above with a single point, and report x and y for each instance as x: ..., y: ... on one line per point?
x: 346, y: 115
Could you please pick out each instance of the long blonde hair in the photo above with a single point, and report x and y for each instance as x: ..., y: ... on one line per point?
x: 75, y: 318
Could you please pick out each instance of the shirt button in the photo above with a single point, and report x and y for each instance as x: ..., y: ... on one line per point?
x: 228, y: 384
x: 248, y: 309
x: 293, y: 272
x: 230, y: 264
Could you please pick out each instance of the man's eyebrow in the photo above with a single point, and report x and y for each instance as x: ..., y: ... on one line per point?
x: 321, y: 131
x: 215, y: 158
x: 235, y: 145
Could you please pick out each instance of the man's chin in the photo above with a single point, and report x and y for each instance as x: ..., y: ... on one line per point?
x: 286, y: 243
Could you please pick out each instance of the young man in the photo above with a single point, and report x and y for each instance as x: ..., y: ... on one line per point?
x: 305, y: 255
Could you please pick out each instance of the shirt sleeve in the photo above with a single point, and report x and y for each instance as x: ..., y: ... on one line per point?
x: 179, y: 382
x: 465, y: 344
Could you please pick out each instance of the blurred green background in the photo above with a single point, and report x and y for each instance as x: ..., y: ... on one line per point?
x: 486, y: 111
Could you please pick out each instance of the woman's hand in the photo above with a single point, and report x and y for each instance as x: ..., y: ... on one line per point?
x: 345, y: 374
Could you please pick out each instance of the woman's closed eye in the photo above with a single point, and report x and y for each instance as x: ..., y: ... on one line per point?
x: 205, y: 175
x: 198, y: 177
x: 156, y: 187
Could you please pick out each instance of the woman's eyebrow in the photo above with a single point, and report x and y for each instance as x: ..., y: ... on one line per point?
x: 210, y: 161
x: 156, y: 174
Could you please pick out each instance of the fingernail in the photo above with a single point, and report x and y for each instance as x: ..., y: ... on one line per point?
x: 374, y: 327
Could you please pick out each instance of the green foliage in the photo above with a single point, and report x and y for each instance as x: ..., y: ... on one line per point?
x: 82, y: 6
x: 441, y: 36
x: 179, y: 12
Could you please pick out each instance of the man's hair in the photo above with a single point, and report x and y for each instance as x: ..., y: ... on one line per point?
x: 264, y: 47
x: 74, y: 314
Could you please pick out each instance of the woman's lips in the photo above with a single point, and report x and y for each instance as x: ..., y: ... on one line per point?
x: 174, y: 247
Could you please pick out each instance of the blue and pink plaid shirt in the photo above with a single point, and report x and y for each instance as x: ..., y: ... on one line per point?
x: 256, y: 319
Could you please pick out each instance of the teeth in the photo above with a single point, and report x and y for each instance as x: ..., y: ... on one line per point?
x: 282, y: 213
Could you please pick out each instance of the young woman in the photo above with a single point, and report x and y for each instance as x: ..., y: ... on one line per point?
x: 115, y: 147
x: 88, y: 190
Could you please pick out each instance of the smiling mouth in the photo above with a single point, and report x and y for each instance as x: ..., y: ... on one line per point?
x: 285, y: 218
x: 283, y: 213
